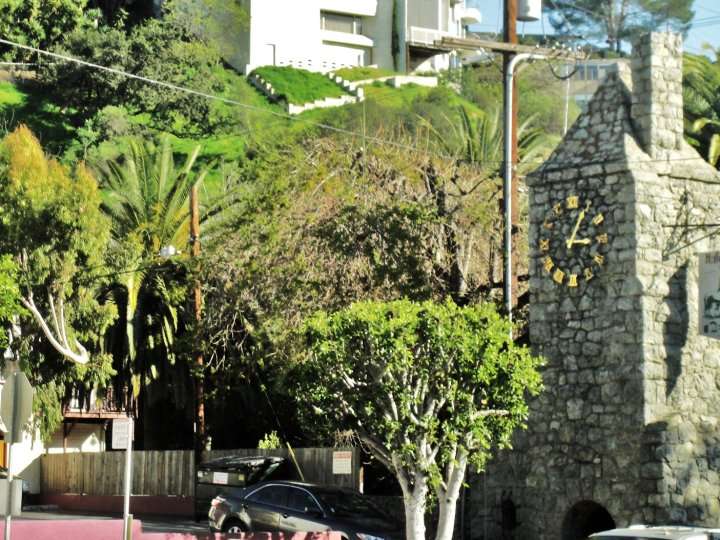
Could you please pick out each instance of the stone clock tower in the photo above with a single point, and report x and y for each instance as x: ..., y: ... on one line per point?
x: 627, y: 429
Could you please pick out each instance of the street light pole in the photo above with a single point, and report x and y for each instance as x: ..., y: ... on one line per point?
x: 197, y: 300
x: 509, y: 180
x: 510, y: 187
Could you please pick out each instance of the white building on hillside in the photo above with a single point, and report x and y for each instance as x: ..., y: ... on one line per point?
x: 323, y: 35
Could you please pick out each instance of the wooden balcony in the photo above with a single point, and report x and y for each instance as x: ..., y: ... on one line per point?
x: 87, y: 406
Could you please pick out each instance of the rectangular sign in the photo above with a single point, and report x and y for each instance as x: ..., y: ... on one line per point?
x: 342, y: 462
x: 709, y: 295
x: 220, y: 478
x: 120, y: 434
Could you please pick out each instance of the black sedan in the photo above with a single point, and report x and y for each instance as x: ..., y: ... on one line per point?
x: 290, y: 507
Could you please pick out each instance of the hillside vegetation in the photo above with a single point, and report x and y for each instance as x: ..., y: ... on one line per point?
x: 299, y: 86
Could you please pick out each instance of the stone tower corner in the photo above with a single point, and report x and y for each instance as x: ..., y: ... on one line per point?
x: 657, y: 109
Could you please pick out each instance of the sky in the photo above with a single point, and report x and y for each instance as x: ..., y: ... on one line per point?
x: 707, y: 13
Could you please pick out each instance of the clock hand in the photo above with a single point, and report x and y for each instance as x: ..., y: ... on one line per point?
x: 570, y: 241
x: 582, y: 242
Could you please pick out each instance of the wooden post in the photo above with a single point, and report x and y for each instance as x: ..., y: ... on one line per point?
x: 197, y: 298
x: 510, y: 36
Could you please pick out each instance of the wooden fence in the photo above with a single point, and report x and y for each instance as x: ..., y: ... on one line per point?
x: 101, y: 473
x: 171, y: 472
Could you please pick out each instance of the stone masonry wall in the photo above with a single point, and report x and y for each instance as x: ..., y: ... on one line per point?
x: 682, y: 368
x: 627, y: 430
x: 657, y: 97
x: 583, y: 430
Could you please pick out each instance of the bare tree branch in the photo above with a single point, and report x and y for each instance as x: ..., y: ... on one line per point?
x: 60, y: 341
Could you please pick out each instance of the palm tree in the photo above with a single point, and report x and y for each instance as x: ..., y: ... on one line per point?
x: 479, y: 141
x: 146, y: 197
x: 702, y: 105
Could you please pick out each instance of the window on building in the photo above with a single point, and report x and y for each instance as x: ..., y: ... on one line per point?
x: 592, y: 73
x: 335, y: 22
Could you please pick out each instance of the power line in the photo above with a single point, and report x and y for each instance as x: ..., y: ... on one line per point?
x: 178, y: 88
x: 375, y: 140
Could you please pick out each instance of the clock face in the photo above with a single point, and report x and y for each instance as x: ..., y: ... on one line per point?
x: 573, y: 242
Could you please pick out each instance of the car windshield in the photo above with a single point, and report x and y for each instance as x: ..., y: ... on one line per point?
x: 348, y: 504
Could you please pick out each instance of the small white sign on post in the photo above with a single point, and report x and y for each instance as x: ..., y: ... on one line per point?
x: 120, y: 434
x: 342, y: 462
x: 709, y: 295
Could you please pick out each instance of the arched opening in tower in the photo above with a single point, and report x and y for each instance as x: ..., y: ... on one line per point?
x: 585, y: 518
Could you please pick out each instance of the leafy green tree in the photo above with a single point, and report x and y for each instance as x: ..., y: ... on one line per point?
x: 53, y: 228
x: 82, y: 90
x: 162, y: 50
x: 146, y: 198
x: 167, y: 51
x: 39, y: 23
x: 10, y: 297
x: 617, y: 21
x: 321, y: 225
x: 430, y: 388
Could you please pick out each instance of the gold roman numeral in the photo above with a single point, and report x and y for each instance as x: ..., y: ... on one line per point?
x: 588, y: 274
x: 602, y: 238
x: 545, y: 244
x: 548, y: 264
x: 599, y: 259
x: 597, y: 220
x: 558, y: 276
x: 572, y: 202
x: 572, y: 280
x: 558, y: 209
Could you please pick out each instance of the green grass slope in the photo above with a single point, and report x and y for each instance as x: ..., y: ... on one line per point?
x: 363, y: 73
x: 299, y: 86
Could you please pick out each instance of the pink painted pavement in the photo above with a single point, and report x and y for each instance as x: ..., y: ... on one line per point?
x: 111, y: 529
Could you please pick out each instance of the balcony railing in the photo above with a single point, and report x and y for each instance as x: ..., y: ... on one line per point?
x: 84, y: 404
x: 365, y: 8
x: 426, y: 36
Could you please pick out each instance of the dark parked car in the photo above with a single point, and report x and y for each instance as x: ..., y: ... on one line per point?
x: 232, y: 472
x: 290, y: 507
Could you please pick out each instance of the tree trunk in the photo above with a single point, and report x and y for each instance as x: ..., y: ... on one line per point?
x: 447, y: 500
x: 414, y: 501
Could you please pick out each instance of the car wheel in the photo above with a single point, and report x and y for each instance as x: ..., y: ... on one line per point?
x: 234, y: 527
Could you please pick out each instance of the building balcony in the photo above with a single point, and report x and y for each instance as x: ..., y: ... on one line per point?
x: 426, y: 37
x: 345, y: 38
x: 79, y: 405
x: 470, y: 16
x: 363, y: 8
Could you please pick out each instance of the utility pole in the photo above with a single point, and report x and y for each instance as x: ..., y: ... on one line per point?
x: 200, y: 435
x: 510, y: 36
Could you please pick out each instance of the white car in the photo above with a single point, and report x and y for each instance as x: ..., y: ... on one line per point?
x: 644, y: 532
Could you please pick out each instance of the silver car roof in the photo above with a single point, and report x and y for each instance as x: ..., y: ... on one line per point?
x: 666, y: 532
